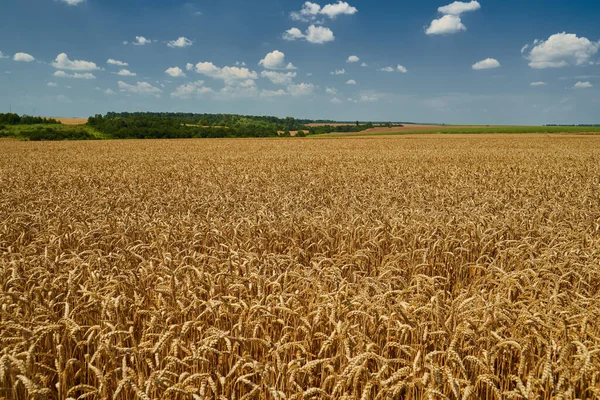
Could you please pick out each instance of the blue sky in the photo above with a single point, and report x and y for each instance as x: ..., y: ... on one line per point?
x: 490, y: 62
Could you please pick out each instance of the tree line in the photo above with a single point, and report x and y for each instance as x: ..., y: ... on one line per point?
x: 16, y: 119
x: 188, y: 125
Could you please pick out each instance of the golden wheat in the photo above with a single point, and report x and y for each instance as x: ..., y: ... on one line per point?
x: 418, y: 267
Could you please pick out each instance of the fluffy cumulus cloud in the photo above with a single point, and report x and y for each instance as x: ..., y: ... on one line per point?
x: 364, y: 65
x: 175, y: 72
x: 76, y: 75
x: 125, y: 72
x: 446, y: 25
x: 540, y: 83
x: 109, y: 91
x: 73, y: 2
x: 232, y: 76
x: 451, y: 21
x: 313, y: 11
x: 353, y: 59
x: 351, y: 82
x: 338, y: 72
x: 335, y: 100
x: 488, y: 63
x: 143, y: 88
x: 329, y: 90
x: 279, y: 78
x: 274, y: 60
x: 561, y: 50
x: 387, y: 69
x: 141, y: 41
x: 583, y: 85
x: 181, y: 42
x: 23, y: 57
x: 193, y: 89
x: 459, y: 7
x: 63, y: 62
x: 402, y: 69
x: 302, y: 89
x: 314, y: 34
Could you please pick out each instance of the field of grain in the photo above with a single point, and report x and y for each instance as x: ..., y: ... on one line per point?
x: 72, y: 121
x: 409, y: 267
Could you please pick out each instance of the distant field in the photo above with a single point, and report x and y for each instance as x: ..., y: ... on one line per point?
x: 72, y: 121
x: 470, y: 129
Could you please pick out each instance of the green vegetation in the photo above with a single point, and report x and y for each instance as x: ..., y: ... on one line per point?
x: 49, y: 132
x: 16, y: 119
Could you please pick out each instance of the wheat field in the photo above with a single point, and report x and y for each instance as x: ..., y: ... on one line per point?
x: 411, y: 267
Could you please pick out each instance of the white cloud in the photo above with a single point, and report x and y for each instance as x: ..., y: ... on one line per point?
x: 2, y: 55
x: 309, y: 12
x: 488, y: 63
x: 458, y: 7
x: 76, y: 75
x: 368, y: 98
x: 143, y: 88
x: 538, y: 84
x: 279, y: 78
x: 117, y: 62
x: 314, y: 34
x: 335, y: 100
x: 141, y: 41
x: 338, y: 72
x: 273, y: 93
x: 293, y: 34
x: 387, y: 69
x: 51, y: 84
x: 175, y: 72
x: 402, y: 69
x: 524, y: 49
x: 446, y: 25
x: 274, y: 60
x: 73, y: 2
x: 364, y: 64
x: 341, y: 8
x: 329, y: 90
x: 302, y: 89
x: 181, y: 42
x: 583, y: 85
x: 24, y: 57
x: 125, y: 72
x: 353, y: 59
x: 193, y: 89
x: 189, y: 67
x: 240, y: 63
x: 109, y: 91
x: 351, y: 82
x: 312, y: 11
x: 230, y: 75
x: 62, y: 62
x: 561, y: 50
x: 319, y: 35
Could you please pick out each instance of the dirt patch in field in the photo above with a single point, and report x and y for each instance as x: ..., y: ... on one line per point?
x: 72, y: 121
